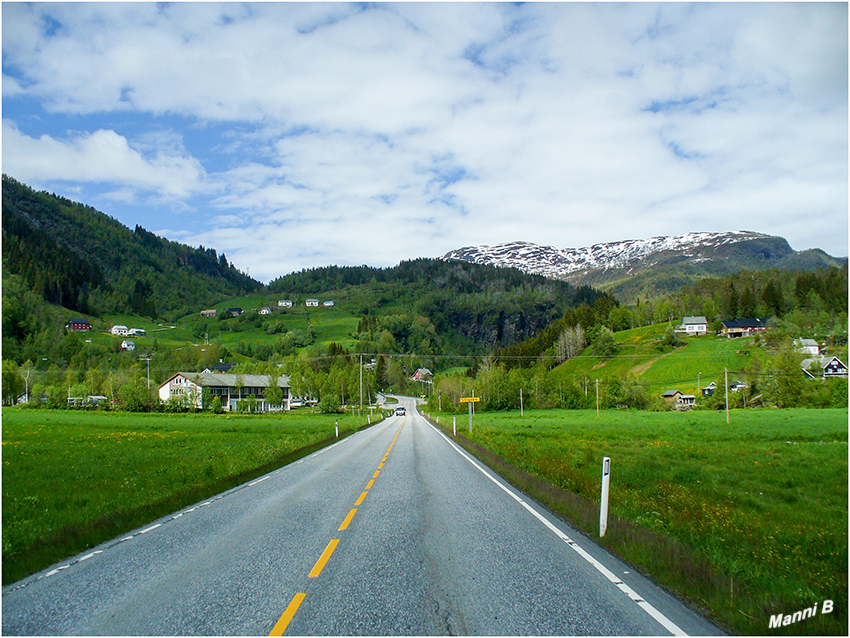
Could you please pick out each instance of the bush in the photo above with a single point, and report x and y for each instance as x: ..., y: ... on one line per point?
x: 330, y: 404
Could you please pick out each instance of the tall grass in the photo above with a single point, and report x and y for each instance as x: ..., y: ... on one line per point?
x: 74, y: 479
x: 745, y: 520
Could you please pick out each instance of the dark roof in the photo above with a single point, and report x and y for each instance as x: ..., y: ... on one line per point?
x: 222, y: 367
x: 746, y: 323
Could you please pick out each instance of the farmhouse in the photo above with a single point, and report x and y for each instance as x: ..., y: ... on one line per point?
x: 693, y: 326
x: 127, y: 344
x: 679, y: 399
x: 807, y: 346
x: 230, y: 388
x: 708, y: 391
x: 825, y: 367
x: 671, y: 396
x: 743, y: 327
x: 121, y: 331
x: 687, y: 399
x: 77, y: 325
x: 285, y: 303
x: 312, y: 303
x: 208, y: 313
x: 422, y: 374
x: 235, y: 312
x: 328, y: 304
x: 265, y: 310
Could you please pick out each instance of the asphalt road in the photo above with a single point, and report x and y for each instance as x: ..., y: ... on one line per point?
x: 392, y: 531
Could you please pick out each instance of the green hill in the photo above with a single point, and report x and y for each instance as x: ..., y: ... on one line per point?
x: 699, y: 360
x: 81, y: 259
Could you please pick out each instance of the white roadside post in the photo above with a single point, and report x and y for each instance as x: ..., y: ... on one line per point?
x: 603, y: 504
x: 454, y: 425
x: 336, y: 428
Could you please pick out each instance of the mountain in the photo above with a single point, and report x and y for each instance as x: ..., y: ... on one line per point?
x: 648, y: 267
x: 81, y: 259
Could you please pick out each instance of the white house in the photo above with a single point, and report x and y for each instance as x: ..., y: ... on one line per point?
x: 265, y: 310
x: 807, y: 346
x: 121, y: 331
x: 328, y: 304
x: 137, y: 332
x: 285, y: 303
x: 229, y: 388
x: 128, y: 345
x: 312, y: 303
x: 693, y: 326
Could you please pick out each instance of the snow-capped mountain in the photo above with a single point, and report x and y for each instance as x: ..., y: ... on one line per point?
x: 604, y: 265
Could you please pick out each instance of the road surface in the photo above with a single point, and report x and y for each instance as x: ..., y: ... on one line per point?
x: 392, y: 531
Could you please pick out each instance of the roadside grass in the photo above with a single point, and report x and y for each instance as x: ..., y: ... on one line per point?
x: 72, y: 480
x: 745, y: 520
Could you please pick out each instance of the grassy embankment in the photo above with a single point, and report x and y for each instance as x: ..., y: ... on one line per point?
x: 74, y: 479
x: 696, y: 360
x: 746, y: 520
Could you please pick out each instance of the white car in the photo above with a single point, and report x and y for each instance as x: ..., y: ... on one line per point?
x: 400, y: 411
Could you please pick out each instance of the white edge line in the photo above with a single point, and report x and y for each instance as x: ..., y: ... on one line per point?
x: 259, y: 481
x: 665, y: 622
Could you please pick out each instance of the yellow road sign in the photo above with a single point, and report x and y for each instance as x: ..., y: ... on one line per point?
x: 470, y: 399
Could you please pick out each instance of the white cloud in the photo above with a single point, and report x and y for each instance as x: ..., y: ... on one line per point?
x: 439, y: 124
x: 101, y: 156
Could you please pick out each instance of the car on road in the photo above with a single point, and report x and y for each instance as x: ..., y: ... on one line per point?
x: 400, y: 411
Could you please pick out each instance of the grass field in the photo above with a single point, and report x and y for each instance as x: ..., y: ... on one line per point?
x: 747, y: 520
x: 699, y: 360
x: 74, y: 479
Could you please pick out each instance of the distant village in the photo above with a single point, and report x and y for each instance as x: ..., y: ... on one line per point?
x: 225, y: 385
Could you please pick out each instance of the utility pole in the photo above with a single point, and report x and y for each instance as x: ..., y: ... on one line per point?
x: 147, y: 358
x: 361, y: 383
x: 597, y: 397
x: 726, y: 391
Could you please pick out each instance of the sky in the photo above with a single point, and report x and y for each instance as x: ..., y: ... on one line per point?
x: 300, y: 135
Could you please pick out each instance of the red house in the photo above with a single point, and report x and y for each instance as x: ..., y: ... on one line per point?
x: 77, y: 325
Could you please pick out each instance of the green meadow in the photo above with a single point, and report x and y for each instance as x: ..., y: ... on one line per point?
x: 699, y: 360
x: 73, y: 479
x: 745, y: 520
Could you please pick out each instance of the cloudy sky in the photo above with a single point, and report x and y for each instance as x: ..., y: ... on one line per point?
x: 293, y: 135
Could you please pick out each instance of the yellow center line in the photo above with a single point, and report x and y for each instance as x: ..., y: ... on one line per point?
x: 320, y: 564
x: 284, y: 621
x: 347, y: 520
x: 295, y: 603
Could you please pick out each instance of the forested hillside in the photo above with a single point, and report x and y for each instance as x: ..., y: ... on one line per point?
x: 430, y: 306
x: 810, y: 304
x: 81, y: 259
x: 59, y: 252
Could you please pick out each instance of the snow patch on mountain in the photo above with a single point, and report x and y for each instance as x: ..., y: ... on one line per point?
x: 561, y: 263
